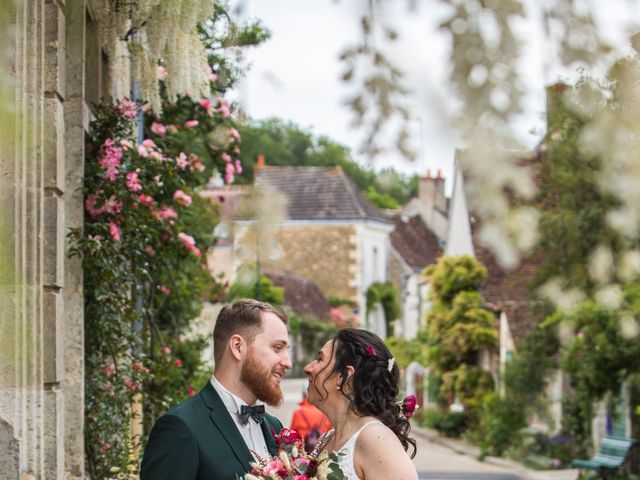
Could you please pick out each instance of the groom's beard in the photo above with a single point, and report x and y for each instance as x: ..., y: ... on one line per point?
x: 259, y: 380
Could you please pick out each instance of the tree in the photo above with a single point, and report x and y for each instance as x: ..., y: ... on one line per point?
x: 458, y: 328
x: 288, y: 144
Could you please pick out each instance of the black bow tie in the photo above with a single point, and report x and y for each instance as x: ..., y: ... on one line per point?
x: 256, y: 412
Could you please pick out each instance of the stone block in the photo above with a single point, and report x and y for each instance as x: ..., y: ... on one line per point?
x: 54, y: 53
x: 54, y: 237
x: 53, y: 430
x: 53, y: 144
x: 52, y: 337
x: 9, y: 460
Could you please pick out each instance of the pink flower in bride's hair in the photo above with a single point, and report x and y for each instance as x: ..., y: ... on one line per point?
x: 182, y: 161
x: 133, y: 183
x: 159, y: 129
x: 207, y: 105
x: 191, y: 123
x: 114, y: 230
x: 409, y: 405
x: 223, y: 108
x: 128, y: 109
x: 182, y: 198
x: 371, y: 351
x: 238, y: 167
x: 226, y: 157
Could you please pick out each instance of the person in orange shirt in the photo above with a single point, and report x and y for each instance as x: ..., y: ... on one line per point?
x: 309, y: 422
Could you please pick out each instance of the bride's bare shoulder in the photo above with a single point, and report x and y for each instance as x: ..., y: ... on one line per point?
x: 380, y: 455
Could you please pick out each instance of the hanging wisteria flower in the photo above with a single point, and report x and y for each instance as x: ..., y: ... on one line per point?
x: 161, y: 73
x: 159, y: 129
x: 133, y: 183
x: 191, y: 123
x: 182, y: 198
x: 128, y: 109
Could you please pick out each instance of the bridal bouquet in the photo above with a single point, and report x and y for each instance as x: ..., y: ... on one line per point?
x: 294, y: 463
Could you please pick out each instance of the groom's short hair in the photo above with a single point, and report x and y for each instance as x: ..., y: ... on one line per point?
x: 243, y: 317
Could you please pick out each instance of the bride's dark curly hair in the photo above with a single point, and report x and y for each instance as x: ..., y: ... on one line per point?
x: 374, y: 388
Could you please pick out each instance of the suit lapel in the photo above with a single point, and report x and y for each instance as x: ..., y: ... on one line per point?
x: 229, y: 431
x: 268, y: 436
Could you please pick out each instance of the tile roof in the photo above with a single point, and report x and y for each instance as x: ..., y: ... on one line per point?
x: 301, y: 294
x: 319, y: 193
x: 417, y: 245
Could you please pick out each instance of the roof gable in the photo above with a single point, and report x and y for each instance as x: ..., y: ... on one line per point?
x: 417, y: 245
x: 301, y: 294
x: 319, y: 193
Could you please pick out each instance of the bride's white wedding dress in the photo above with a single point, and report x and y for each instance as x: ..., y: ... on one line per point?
x: 347, y: 451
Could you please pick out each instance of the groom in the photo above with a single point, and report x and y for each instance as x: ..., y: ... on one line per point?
x: 212, y: 434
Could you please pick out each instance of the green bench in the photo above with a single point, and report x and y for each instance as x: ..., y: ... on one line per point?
x: 612, y: 455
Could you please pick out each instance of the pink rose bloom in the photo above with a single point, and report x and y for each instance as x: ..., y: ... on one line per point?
x: 234, y: 133
x: 191, y: 123
x: 156, y: 155
x: 300, y: 477
x: 182, y: 161
x: 142, y: 151
x: 409, y: 405
x: 178, y: 362
x: 159, y: 129
x: 147, y: 142
x: 166, y: 350
x: 110, y: 160
x: 207, y: 105
x: 163, y: 289
x: 126, y: 144
x: 223, y: 108
x: 133, y: 183
x: 189, y: 242
x: 90, y: 205
x: 275, y: 466
x: 161, y: 72
x: 114, y: 230
x: 226, y: 157
x: 172, y: 128
x: 212, y: 76
x: 238, y: 167
x: 182, y: 198
x: 128, y: 109
x: 146, y: 199
x: 166, y: 213
x: 191, y: 392
x: 196, y: 164
x: 112, y: 205
x: 228, y: 177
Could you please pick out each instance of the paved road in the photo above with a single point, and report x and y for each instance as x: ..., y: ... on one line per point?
x: 433, y: 461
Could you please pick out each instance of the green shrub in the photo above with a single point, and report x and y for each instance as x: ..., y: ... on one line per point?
x: 449, y: 424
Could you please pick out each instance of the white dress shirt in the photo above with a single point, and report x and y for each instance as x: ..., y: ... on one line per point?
x: 251, y: 432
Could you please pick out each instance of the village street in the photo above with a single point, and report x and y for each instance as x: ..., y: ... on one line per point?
x: 433, y: 460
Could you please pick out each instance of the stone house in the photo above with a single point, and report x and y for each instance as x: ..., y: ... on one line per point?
x: 56, y: 66
x: 330, y: 234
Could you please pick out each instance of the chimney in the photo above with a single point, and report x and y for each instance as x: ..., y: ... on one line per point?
x: 259, y: 165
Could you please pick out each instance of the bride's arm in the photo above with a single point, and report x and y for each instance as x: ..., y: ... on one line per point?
x: 379, y: 456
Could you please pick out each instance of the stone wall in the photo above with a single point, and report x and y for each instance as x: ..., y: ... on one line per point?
x: 41, y: 299
x: 324, y: 253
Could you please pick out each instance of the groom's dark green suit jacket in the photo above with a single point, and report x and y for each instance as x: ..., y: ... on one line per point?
x: 198, y: 439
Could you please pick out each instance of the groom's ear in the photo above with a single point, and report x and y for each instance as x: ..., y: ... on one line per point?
x: 237, y: 346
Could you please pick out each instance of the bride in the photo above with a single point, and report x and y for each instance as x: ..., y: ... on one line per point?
x: 354, y: 382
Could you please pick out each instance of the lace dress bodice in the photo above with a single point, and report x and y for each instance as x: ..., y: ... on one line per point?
x: 348, y: 449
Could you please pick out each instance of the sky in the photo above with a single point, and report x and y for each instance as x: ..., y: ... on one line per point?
x: 296, y: 74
